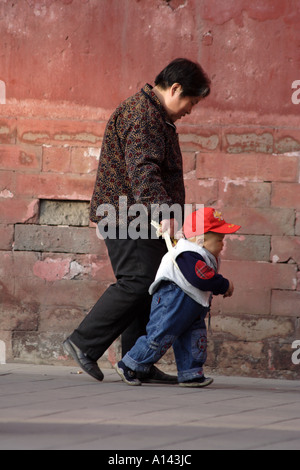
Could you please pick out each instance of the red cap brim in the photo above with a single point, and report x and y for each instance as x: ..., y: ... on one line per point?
x: 226, y: 228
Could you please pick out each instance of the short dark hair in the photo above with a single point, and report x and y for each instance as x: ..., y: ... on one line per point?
x: 188, y: 74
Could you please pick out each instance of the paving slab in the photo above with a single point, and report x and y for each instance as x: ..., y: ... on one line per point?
x: 57, y: 408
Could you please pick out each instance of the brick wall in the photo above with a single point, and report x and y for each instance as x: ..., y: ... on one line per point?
x: 241, y: 151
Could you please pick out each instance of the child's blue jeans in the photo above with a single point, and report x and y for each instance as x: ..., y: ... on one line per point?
x: 175, y: 320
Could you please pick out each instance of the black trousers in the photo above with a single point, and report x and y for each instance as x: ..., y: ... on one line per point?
x: 125, y: 306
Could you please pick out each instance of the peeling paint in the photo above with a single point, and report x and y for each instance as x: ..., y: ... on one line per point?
x: 236, y: 182
x: 92, y: 152
x: 6, y: 194
x: 52, y: 269
x: 32, y: 211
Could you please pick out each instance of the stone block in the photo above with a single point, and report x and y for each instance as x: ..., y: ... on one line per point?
x: 286, y: 195
x: 262, y: 221
x: 189, y: 162
x: 18, y: 210
x: 56, y: 159
x: 245, y: 193
x: 201, y: 191
x: 252, y: 328
x: 38, y: 348
x: 84, y: 160
x: 55, y: 186
x: 57, y: 239
x: 60, y: 319
x: 6, y: 237
x: 71, y: 213
x: 285, y: 249
x: 247, y: 247
x: 285, y: 303
x: 258, y: 167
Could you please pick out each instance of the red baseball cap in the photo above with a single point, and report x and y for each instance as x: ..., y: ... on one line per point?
x: 207, y: 220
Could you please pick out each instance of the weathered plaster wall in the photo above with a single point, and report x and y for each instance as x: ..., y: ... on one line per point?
x: 64, y: 66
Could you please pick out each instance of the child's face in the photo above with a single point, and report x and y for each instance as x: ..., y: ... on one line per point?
x: 214, y: 243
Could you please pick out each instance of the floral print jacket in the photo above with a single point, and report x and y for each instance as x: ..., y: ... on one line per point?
x: 140, y: 157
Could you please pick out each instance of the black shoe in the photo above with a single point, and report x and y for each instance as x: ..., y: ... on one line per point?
x: 127, y: 375
x: 197, y: 383
x: 86, y: 363
x: 156, y: 376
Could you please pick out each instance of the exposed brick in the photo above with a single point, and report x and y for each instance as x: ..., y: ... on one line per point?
x: 20, y: 157
x: 247, y: 140
x: 286, y: 195
x: 55, y: 186
x: 71, y: 213
x: 247, y: 167
x: 57, y: 239
x: 250, y: 328
x: 253, y: 284
x: 199, y: 139
x: 56, y: 159
x: 36, y: 347
x: 285, y: 248
x: 247, y: 194
x: 8, y: 131
x: 237, y: 357
x: 201, y: 191
x: 260, y: 221
x: 286, y: 140
x: 285, y: 303
x: 84, y: 160
x: 45, y: 131
x: 247, y: 247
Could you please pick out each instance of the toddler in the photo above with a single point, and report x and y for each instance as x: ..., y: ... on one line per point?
x: 187, y: 278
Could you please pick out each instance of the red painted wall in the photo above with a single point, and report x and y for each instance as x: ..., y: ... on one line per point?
x: 65, y: 65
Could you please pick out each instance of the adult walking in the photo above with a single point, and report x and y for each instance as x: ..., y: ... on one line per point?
x: 140, y: 162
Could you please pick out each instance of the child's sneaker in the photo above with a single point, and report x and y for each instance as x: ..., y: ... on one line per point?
x: 197, y: 383
x: 127, y: 375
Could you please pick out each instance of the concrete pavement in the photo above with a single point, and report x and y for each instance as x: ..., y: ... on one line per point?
x: 55, y: 407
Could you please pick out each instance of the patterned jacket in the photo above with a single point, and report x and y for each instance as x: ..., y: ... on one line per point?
x: 140, y: 156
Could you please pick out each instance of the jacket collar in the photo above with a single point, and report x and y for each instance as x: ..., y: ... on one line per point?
x: 147, y: 90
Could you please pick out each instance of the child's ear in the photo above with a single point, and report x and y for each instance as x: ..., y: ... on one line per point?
x: 200, y: 240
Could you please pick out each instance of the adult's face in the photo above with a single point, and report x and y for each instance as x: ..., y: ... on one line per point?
x: 177, y: 105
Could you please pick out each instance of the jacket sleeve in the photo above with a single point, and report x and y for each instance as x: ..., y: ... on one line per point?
x: 200, y: 275
x: 144, y: 155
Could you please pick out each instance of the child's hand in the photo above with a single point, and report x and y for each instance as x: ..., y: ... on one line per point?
x: 229, y: 293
